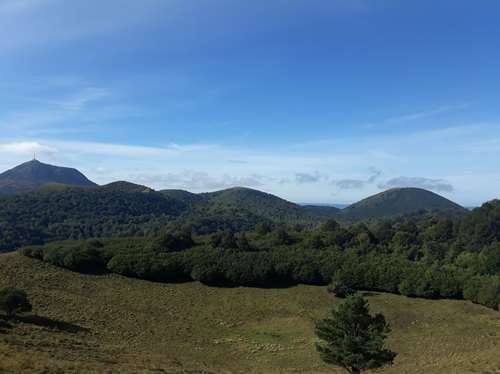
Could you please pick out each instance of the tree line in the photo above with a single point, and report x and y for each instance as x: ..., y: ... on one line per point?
x: 429, y: 256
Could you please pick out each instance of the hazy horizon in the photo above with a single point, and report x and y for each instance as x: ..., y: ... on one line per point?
x: 337, y: 204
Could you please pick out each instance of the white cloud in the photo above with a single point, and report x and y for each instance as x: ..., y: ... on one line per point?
x: 197, y: 181
x: 439, y: 185
x: 127, y: 150
x: 26, y: 149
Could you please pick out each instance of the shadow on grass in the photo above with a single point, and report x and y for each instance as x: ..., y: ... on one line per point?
x: 4, y: 325
x: 51, y: 323
x: 369, y: 294
x: 42, y: 322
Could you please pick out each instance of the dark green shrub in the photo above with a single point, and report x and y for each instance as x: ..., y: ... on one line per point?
x: 471, y: 288
x: 262, y: 229
x: 330, y: 226
x: 84, y: 260
x: 223, y: 240
x: 488, y: 293
x: 340, y: 289
x: 172, y: 242
x: 209, y: 271
x: 33, y: 252
x: 13, y: 301
x: 281, y: 237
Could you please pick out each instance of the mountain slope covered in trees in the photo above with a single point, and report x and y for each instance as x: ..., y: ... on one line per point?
x: 57, y: 210
x: 399, y: 201
x: 241, y: 208
x: 424, y: 256
x: 118, y: 209
x: 264, y: 205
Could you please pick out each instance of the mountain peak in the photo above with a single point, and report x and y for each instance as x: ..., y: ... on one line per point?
x: 402, y: 200
x: 34, y: 174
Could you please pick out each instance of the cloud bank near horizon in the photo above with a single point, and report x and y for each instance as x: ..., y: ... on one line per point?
x: 209, y: 167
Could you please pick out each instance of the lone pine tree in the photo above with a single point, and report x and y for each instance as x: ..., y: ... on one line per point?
x: 354, y: 339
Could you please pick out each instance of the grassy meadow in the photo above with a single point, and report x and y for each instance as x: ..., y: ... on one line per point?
x: 111, y: 324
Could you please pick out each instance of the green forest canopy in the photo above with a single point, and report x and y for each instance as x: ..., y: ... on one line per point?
x: 426, y: 256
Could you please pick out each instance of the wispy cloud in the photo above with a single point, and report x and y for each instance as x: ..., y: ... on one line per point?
x: 61, y: 149
x: 406, y: 118
x: 315, y: 177
x: 197, y: 180
x: 418, y: 182
x: 350, y: 184
x: 50, y: 114
x: 375, y: 174
x: 482, y: 146
x: 52, y: 22
x: 77, y: 102
x: 27, y: 149
x: 129, y: 151
x: 426, y: 113
x: 357, y: 184
x: 46, y: 22
x: 238, y: 162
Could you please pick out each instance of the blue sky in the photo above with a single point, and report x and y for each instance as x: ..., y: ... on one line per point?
x: 315, y: 101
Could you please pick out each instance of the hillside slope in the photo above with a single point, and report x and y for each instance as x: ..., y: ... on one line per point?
x: 399, y: 201
x: 262, y: 204
x: 107, y: 323
x: 187, y: 197
x: 35, y: 174
x: 242, y: 208
x: 119, y: 209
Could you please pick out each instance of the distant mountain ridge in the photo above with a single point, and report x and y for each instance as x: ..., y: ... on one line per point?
x: 43, y: 202
x: 34, y: 174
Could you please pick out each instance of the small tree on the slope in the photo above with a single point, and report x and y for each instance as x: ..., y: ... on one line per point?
x: 353, y: 339
x: 13, y: 301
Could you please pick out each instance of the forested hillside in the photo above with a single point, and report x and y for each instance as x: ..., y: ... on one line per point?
x: 58, y: 212
x: 75, y: 213
x: 399, y: 201
x: 240, y: 209
x: 425, y: 256
x: 52, y: 208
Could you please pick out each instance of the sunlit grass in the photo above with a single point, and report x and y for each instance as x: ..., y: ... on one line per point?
x: 113, y: 324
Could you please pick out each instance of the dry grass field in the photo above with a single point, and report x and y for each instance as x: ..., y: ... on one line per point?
x: 110, y: 324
